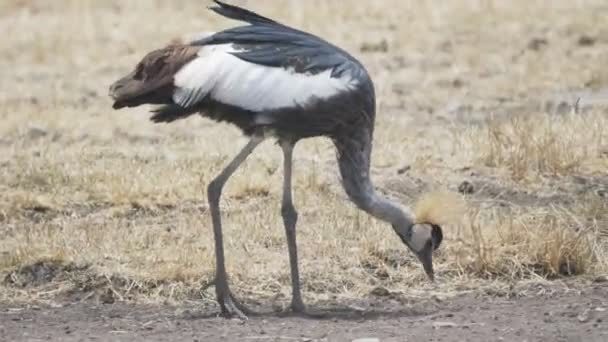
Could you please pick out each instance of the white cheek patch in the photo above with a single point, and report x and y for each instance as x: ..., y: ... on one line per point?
x: 230, y: 80
x: 421, y: 235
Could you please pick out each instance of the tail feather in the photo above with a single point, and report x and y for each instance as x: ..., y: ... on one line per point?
x: 238, y: 13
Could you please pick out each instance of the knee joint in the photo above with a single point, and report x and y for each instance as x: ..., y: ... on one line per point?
x: 289, y: 212
x: 214, y: 191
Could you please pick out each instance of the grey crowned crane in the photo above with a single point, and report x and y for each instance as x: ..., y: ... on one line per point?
x: 272, y: 80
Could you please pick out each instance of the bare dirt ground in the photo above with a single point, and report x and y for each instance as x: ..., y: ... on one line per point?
x: 105, y: 233
x: 548, y: 314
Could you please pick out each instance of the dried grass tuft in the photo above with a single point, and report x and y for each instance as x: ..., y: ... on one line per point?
x: 542, y: 144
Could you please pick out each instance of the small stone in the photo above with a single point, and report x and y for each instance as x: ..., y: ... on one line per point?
x: 466, y: 188
x: 380, y: 291
x: 601, y: 279
x: 440, y: 325
x: 537, y: 43
x: 36, y: 133
x: 586, y: 41
x: 584, y: 316
x: 107, y: 297
x: 403, y: 170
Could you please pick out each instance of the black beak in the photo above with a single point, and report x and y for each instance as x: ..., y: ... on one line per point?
x: 426, y: 254
x: 426, y: 258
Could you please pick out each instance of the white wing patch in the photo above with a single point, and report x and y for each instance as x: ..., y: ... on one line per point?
x: 230, y: 80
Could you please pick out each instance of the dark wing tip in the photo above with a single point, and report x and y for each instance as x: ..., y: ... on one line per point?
x: 239, y: 13
x: 218, y: 4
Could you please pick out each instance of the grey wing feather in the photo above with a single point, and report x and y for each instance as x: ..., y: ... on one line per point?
x: 277, y: 45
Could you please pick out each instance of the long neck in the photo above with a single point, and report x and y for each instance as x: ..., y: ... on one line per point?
x: 354, y: 152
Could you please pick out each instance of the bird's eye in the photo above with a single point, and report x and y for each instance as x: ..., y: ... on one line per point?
x: 436, y: 235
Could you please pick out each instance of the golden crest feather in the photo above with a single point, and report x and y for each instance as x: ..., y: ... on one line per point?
x: 440, y: 207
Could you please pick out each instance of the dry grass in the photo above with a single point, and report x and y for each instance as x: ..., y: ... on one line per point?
x: 105, y: 204
x: 547, y: 242
x: 546, y: 145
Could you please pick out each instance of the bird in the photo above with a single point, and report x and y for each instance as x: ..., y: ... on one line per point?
x: 277, y: 82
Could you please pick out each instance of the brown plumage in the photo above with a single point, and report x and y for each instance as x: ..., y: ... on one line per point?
x: 152, y: 80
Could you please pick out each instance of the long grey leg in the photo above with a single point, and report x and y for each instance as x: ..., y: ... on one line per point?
x: 290, y: 218
x: 229, y: 305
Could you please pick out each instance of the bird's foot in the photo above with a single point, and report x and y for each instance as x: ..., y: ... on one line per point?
x: 298, y: 307
x: 231, y: 307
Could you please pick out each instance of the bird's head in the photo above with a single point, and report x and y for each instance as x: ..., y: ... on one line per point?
x: 421, y: 231
x: 422, y: 239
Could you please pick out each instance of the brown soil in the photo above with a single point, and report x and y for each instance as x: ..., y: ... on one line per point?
x: 547, y: 314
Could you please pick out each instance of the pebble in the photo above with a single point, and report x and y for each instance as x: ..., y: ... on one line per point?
x: 466, y: 188
x: 439, y: 325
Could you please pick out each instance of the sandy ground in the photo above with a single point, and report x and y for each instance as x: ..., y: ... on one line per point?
x: 548, y: 314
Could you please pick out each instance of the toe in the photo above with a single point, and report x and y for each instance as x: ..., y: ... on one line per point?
x: 232, y: 308
x: 298, y: 307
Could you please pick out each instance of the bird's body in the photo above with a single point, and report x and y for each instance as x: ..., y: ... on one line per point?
x: 272, y: 80
x: 263, y: 76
